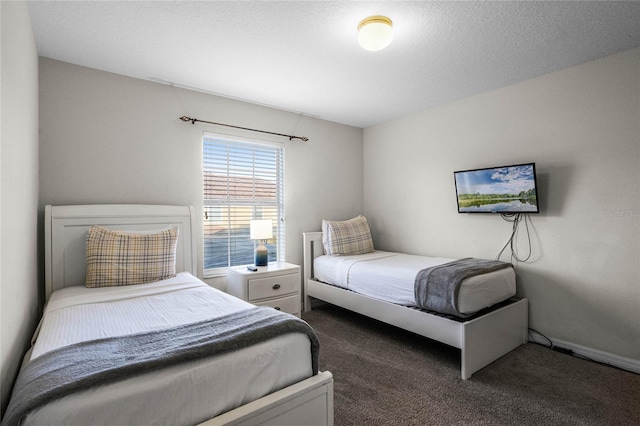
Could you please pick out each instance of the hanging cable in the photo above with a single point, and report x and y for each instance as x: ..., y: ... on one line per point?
x: 516, y: 219
x: 194, y: 120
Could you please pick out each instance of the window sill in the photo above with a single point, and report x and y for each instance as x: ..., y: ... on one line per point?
x: 218, y: 273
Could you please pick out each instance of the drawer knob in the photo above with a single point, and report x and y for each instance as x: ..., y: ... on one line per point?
x: 276, y: 286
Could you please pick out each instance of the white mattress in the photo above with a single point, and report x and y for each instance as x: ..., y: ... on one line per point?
x: 185, y: 394
x: 391, y: 277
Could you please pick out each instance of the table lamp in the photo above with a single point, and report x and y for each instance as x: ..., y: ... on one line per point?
x: 261, y: 230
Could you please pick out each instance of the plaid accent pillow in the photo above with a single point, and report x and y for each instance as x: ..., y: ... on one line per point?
x: 116, y: 258
x: 348, y: 237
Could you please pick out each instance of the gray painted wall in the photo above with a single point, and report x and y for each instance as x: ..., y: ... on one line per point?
x: 19, y: 270
x: 105, y: 138
x: 581, y: 127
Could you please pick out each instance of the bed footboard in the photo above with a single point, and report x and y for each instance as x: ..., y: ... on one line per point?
x: 487, y: 338
x: 309, y: 402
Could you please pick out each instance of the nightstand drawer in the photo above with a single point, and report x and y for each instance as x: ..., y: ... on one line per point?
x: 290, y: 304
x: 261, y: 288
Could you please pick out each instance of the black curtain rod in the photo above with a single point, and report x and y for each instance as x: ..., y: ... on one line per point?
x: 193, y: 121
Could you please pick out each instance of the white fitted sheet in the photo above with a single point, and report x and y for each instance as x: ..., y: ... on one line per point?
x: 186, y: 394
x: 391, y: 277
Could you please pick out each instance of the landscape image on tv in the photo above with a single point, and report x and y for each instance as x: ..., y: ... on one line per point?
x: 507, y: 189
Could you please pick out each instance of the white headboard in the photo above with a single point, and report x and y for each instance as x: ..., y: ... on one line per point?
x: 66, y: 228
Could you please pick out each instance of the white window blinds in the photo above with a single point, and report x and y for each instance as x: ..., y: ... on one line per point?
x: 242, y: 181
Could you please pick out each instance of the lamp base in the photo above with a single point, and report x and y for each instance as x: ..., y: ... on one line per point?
x: 261, y: 255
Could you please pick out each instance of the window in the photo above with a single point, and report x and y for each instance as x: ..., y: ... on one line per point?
x: 242, y: 181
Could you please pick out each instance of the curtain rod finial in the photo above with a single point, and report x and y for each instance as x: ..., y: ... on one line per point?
x: 185, y: 119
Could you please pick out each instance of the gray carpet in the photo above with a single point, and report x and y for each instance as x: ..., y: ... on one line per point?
x: 387, y: 376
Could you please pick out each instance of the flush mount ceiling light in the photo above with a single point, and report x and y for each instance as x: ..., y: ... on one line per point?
x: 375, y: 32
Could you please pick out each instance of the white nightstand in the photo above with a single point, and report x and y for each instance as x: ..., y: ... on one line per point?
x: 276, y: 285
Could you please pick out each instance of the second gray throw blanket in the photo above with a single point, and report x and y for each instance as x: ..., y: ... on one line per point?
x: 437, y: 288
x: 81, y: 366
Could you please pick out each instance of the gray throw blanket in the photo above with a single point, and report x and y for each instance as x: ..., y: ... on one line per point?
x: 81, y: 366
x: 437, y: 288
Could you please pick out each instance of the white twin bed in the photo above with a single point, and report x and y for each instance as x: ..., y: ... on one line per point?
x: 485, y: 320
x: 269, y: 382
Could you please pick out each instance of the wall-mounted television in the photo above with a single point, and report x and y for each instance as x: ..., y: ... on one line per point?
x: 503, y: 189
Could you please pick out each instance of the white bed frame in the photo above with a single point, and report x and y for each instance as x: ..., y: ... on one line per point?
x: 482, y: 339
x: 309, y: 402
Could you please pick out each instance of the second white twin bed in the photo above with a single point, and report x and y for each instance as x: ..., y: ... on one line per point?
x: 466, y: 303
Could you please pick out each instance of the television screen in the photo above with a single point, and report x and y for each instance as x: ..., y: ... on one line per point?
x: 507, y: 189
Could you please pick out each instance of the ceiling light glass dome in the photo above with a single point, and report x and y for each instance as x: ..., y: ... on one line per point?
x: 375, y: 32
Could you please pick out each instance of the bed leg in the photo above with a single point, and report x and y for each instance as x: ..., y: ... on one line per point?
x: 308, y: 248
x: 307, y: 303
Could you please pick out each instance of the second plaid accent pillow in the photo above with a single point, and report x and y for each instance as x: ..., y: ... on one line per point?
x: 348, y: 237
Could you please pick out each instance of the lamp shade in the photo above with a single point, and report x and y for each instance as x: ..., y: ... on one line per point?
x: 375, y: 32
x: 261, y: 229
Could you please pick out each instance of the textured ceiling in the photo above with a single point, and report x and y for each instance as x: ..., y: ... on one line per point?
x: 303, y: 56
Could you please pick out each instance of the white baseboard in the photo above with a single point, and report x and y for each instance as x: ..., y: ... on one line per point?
x: 629, y: 364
